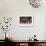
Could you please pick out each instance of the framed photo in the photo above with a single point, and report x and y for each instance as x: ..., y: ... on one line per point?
x: 26, y: 20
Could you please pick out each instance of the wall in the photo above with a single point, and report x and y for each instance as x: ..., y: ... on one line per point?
x: 45, y: 29
x: 14, y: 8
x: 23, y: 33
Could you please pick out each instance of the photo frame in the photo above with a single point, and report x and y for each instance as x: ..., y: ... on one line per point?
x: 26, y: 20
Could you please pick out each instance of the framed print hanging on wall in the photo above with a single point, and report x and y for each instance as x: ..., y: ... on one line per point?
x: 26, y: 20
